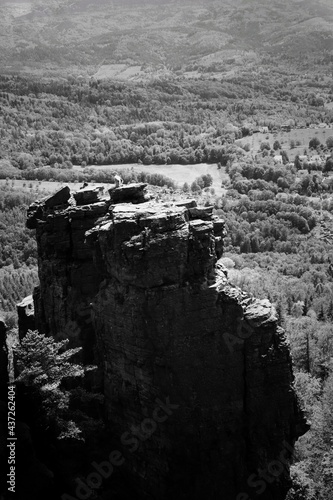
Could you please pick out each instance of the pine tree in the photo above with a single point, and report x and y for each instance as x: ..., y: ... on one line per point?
x: 281, y: 313
x: 43, y: 365
x: 330, y: 311
x: 307, y: 304
x: 322, y: 314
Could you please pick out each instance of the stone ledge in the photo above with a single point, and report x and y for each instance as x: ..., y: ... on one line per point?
x: 135, y: 193
x: 88, y: 195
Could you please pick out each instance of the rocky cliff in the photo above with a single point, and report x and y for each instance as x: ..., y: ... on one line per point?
x: 3, y: 360
x: 197, y: 375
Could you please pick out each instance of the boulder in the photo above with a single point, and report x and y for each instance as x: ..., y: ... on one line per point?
x: 37, y: 211
x: 61, y: 197
x: 204, y: 213
x: 88, y: 195
x: 129, y: 193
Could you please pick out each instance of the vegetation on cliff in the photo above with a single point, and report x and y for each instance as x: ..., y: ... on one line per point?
x: 44, y: 366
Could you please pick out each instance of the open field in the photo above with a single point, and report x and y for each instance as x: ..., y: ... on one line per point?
x: 300, y: 136
x: 41, y: 188
x: 179, y: 173
x: 118, y: 71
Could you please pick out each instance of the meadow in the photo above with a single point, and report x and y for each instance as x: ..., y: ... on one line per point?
x: 293, y: 143
x: 39, y: 188
x: 181, y: 174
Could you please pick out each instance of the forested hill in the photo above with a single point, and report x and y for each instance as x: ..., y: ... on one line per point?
x: 162, y: 36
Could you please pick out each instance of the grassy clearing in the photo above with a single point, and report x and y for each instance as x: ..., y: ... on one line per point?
x: 118, y: 71
x: 300, y: 136
x: 41, y: 188
x: 179, y: 173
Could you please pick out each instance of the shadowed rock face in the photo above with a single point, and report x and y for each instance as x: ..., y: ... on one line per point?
x: 197, y: 375
x: 26, y: 315
x: 3, y: 359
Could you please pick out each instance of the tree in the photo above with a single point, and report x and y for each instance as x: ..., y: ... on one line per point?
x: 281, y: 313
x: 265, y: 145
x: 195, y: 186
x: 285, y: 157
x: 245, y: 246
x: 255, y: 244
x: 297, y: 309
x: 314, y: 143
x: 329, y: 142
x: 43, y: 366
x: 328, y: 167
x: 330, y: 311
x: 303, y: 487
x: 321, y: 314
x: 308, y: 389
x: 276, y: 145
x: 326, y: 483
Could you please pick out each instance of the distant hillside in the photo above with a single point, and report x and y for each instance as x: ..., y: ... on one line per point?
x: 160, y: 35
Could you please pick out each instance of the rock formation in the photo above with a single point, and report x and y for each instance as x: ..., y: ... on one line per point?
x: 34, y: 479
x: 3, y: 359
x: 196, y: 374
x: 26, y: 315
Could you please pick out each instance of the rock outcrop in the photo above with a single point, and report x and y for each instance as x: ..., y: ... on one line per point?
x: 26, y: 315
x: 3, y: 359
x: 197, y: 375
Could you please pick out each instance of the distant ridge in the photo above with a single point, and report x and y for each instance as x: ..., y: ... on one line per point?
x: 83, y: 34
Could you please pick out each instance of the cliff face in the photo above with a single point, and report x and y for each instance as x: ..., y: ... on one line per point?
x: 197, y: 375
x: 26, y: 315
x: 3, y: 360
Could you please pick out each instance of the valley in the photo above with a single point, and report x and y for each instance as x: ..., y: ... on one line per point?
x: 227, y: 105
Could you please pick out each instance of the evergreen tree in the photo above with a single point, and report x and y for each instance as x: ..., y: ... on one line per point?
x: 281, y: 313
x: 330, y: 311
x: 43, y: 366
x: 322, y: 314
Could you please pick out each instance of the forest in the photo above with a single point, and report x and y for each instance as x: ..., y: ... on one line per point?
x: 278, y: 216
x: 67, y: 123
